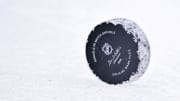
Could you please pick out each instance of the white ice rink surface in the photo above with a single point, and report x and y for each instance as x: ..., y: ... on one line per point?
x: 42, y: 50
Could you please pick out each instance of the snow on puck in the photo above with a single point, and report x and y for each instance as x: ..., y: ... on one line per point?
x: 118, y: 51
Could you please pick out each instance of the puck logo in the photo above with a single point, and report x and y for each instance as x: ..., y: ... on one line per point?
x: 112, y: 52
x: 107, y: 49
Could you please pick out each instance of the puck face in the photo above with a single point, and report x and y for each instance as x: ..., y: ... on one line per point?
x: 114, y: 51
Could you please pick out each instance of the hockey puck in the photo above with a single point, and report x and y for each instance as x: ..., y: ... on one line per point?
x: 118, y: 51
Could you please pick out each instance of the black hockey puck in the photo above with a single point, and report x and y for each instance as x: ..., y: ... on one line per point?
x: 117, y: 51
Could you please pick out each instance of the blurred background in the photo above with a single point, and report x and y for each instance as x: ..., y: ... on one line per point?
x: 42, y: 50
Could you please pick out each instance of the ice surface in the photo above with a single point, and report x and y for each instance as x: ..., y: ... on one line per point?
x: 42, y: 50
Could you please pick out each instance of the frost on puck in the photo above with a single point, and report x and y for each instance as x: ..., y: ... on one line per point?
x: 118, y: 51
